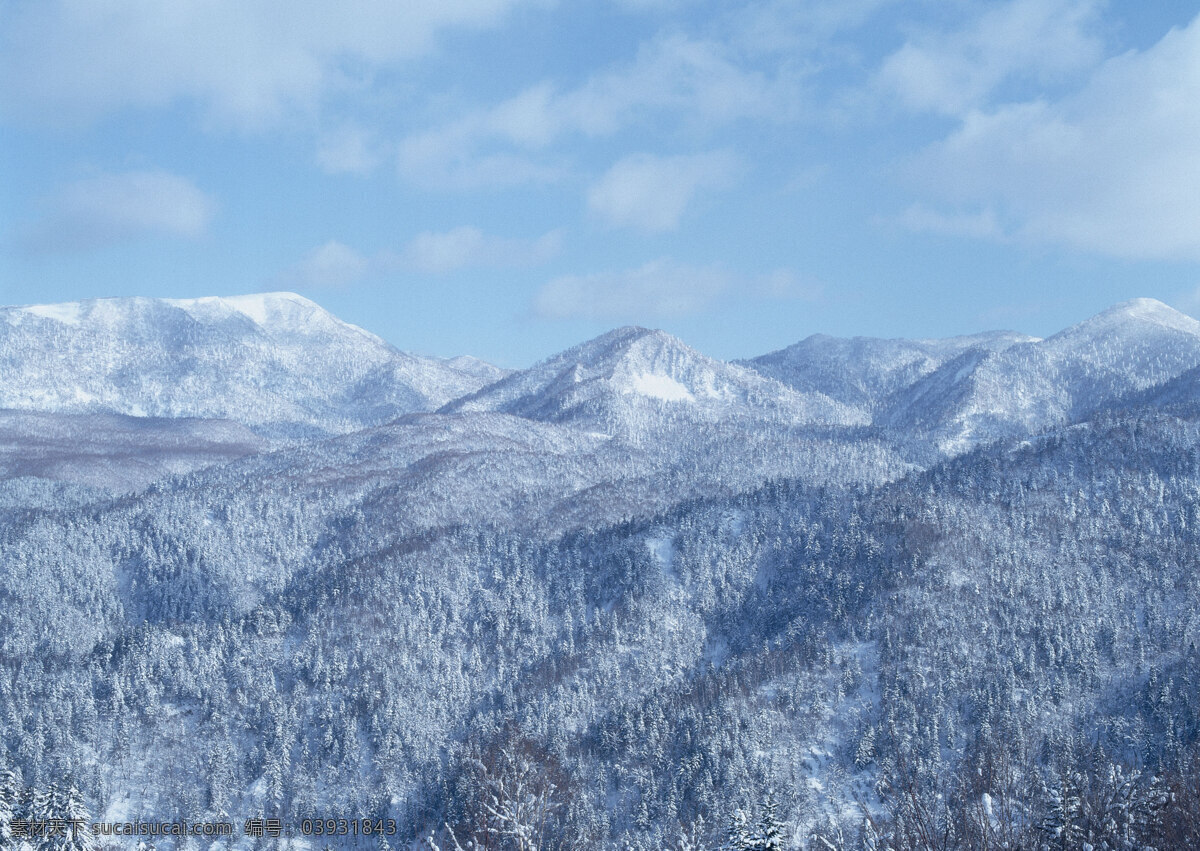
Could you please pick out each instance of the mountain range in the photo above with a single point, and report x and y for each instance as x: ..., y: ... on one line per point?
x: 286, y: 370
x: 256, y: 562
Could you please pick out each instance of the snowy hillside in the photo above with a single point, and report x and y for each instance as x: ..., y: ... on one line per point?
x: 631, y: 379
x: 115, y: 452
x: 981, y: 396
x: 863, y: 371
x: 276, y: 362
x: 857, y: 593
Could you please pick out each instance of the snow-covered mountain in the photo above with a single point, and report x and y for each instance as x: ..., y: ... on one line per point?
x: 275, y: 361
x: 667, y: 596
x: 863, y: 371
x: 283, y: 366
x: 632, y: 379
x: 984, y: 395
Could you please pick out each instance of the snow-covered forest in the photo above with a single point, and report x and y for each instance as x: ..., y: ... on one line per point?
x: 882, y: 594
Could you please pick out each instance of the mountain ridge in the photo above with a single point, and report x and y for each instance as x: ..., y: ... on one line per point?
x: 634, y: 367
x: 282, y: 365
x: 277, y: 362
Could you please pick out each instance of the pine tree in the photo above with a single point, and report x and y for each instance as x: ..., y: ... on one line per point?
x: 40, y: 812
x: 769, y: 836
x: 10, y: 790
x: 1064, y: 813
x: 737, y: 834
x: 79, y: 830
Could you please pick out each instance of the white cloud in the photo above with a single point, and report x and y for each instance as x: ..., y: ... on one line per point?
x: 332, y: 265
x: 651, y: 192
x: 1022, y: 39
x: 1113, y: 169
x: 980, y: 224
x: 803, y: 30
x: 463, y: 247
x: 245, y: 63
x: 665, y: 288
x: 704, y: 79
x: 349, y: 150
x: 701, y: 82
x: 660, y: 288
x: 111, y: 208
x: 787, y: 285
x: 336, y: 264
x: 448, y: 158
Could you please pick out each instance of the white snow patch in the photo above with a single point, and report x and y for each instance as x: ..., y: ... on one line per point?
x: 68, y: 312
x: 716, y: 650
x: 663, y: 549
x: 661, y: 387
x: 118, y: 810
x: 254, y: 306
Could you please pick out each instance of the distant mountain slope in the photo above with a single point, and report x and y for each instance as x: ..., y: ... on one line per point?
x: 863, y: 371
x: 276, y: 361
x: 1179, y: 396
x: 1027, y: 387
x: 113, y: 452
x: 870, y: 408
x: 632, y: 378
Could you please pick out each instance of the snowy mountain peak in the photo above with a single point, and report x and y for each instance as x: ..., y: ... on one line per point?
x: 1128, y: 348
x: 626, y: 375
x: 275, y: 314
x: 276, y: 361
x: 630, y: 358
x: 1150, y: 308
x: 866, y: 371
x: 609, y: 349
x: 1137, y: 316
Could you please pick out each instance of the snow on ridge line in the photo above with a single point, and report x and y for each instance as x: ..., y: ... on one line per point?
x: 1143, y: 309
x: 269, y: 311
x: 255, y: 305
x: 67, y: 312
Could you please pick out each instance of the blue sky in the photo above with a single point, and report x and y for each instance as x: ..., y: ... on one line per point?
x: 505, y: 178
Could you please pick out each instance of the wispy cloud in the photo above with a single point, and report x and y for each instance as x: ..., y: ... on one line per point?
x: 330, y: 266
x: 651, y: 192
x: 350, y: 149
x: 700, y: 82
x: 1112, y: 169
x: 463, y: 247
x: 787, y: 285
x: 663, y: 289
x: 953, y: 72
x: 335, y: 264
x: 111, y: 208
x: 979, y: 224
x: 245, y: 64
x: 660, y: 288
